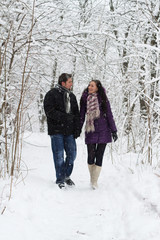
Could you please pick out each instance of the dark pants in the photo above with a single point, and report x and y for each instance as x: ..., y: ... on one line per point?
x: 63, y: 167
x: 95, y: 153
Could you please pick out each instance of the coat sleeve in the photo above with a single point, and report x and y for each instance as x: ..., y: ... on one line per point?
x: 76, y: 115
x: 110, y: 119
x: 83, y: 108
x: 50, y: 109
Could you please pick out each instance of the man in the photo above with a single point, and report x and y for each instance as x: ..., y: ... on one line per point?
x: 63, y: 122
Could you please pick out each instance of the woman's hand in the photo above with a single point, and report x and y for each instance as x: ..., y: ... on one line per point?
x: 114, y: 136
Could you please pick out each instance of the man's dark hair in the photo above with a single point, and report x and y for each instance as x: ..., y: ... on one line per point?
x: 63, y: 78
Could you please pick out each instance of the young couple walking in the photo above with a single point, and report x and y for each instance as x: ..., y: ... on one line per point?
x: 65, y: 122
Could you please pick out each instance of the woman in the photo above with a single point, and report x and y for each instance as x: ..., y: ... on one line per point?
x: 99, y: 127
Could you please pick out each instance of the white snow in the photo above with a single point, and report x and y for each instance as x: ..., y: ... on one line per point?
x: 2, y: 22
x: 125, y: 207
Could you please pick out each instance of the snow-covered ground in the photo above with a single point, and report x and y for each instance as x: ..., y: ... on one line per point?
x: 125, y: 207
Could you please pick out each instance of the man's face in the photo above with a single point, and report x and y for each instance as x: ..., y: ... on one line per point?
x: 68, y: 83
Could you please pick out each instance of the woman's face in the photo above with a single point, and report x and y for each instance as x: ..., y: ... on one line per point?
x: 92, y: 88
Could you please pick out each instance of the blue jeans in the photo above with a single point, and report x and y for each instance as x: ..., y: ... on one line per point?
x: 59, y: 144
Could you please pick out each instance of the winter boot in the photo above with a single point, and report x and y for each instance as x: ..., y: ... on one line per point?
x: 95, y: 175
x: 61, y: 185
x: 90, y: 167
x: 69, y: 182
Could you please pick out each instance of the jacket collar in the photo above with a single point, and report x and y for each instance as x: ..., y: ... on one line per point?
x: 62, y: 89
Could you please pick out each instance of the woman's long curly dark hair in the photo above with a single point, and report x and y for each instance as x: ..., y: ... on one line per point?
x: 102, y: 94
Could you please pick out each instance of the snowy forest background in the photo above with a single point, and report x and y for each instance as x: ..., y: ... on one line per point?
x: 115, y: 41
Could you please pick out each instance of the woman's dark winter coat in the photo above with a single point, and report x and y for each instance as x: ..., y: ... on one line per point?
x: 58, y: 121
x: 104, y: 125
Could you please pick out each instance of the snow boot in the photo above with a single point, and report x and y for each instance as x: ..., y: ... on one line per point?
x: 95, y: 175
x: 90, y: 167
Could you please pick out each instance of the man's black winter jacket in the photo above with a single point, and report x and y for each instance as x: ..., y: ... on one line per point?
x: 58, y: 121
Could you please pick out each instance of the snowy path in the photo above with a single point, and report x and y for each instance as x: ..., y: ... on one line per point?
x: 125, y: 207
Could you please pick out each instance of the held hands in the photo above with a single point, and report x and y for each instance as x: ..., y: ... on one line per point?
x: 114, y: 136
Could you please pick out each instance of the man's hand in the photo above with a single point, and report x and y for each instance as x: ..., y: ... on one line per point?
x: 77, y: 133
